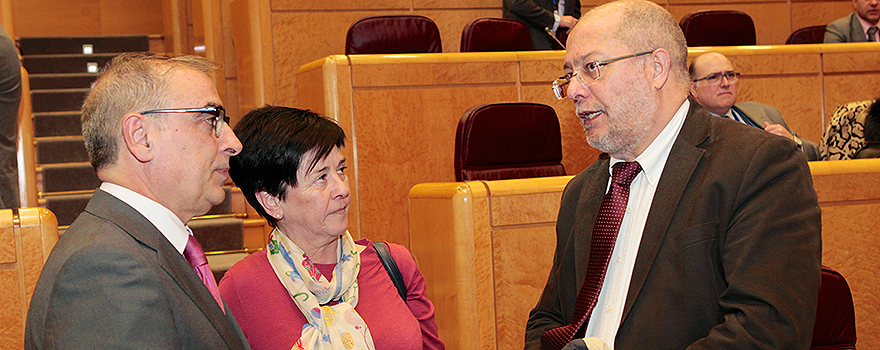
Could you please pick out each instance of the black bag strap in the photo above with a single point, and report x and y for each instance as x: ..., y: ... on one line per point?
x: 391, y: 268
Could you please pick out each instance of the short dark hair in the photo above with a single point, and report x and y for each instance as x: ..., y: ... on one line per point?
x: 274, y: 141
x: 872, y: 123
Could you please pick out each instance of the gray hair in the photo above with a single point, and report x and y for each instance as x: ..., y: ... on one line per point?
x: 130, y: 82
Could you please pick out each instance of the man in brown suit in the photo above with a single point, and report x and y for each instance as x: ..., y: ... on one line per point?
x: 719, y: 246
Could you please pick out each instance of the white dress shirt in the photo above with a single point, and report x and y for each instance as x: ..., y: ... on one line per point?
x: 606, y: 317
x: 165, y: 221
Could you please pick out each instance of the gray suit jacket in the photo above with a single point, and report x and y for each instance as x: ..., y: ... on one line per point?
x: 114, y: 281
x: 845, y: 30
x: 730, y: 253
x: 537, y: 15
x: 759, y: 113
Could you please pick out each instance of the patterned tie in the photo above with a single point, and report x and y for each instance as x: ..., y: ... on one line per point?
x: 601, y: 245
x: 872, y: 34
x: 196, y: 257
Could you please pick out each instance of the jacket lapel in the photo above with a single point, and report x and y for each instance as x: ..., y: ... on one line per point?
x: 680, y: 165
x: 168, y: 258
x: 595, y: 183
x: 857, y: 33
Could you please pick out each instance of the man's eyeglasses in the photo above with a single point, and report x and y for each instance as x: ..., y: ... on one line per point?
x: 218, y: 112
x: 587, y: 74
x: 715, y: 78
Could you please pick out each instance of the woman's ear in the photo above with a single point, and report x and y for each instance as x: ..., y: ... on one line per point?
x: 271, y: 204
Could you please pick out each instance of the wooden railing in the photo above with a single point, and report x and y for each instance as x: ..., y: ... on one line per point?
x: 485, y: 249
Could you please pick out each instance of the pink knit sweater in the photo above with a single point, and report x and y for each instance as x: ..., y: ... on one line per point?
x: 270, y: 319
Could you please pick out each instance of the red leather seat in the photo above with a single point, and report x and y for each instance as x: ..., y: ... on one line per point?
x: 495, y: 34
x: 835, y: 315
x: 508, y: 140
x: 807, y: 35
x: 393, y: 34
x: 718, y: 28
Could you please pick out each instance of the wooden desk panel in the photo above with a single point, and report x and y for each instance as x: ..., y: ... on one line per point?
x: 400, y: 111
x: 448, y: 219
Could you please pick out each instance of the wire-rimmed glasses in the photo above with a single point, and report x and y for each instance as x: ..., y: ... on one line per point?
x: 587, y: 74
x: 715, y: 78
x: 218, y: 112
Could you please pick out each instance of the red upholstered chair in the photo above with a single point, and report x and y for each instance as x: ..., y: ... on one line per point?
x: 835, y: 316
x: 718, y: 28
x: 393, y: 34
x: 508, y: 140
x: 807, y: 35
x: 495, y: 34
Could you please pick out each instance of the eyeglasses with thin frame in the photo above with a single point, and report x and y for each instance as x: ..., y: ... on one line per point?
x: 715, y: 78
x: 218, y: 112
x: 588, y: 74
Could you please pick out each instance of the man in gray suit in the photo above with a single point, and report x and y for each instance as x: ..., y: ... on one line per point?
x: 157, y: 134
x: 714, y: 86
x: 859, y: 26
x: 690, y: 231
x: 541, y: 15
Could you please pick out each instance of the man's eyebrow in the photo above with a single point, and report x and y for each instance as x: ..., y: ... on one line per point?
x: 583, y: 59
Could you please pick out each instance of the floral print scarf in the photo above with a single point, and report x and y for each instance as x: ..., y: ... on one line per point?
x: 329, y: 327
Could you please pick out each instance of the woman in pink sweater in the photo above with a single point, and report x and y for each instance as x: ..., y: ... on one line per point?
x: 314, y: 287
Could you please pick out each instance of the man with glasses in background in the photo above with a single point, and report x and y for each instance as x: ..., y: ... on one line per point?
x: 690, y: 231
x: 128, y: 273
x: 715, y: 88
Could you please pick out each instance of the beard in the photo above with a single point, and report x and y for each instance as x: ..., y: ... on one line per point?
x: 628, y: 122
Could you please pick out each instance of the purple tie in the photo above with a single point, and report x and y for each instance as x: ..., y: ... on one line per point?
x: 601, y: 245
x: 196, y: 257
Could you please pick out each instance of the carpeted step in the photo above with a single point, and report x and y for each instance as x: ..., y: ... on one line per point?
x: 219, y: 233
x: 216, y: 235
x: 79, y: 63
x: 60, y: 149
x: 226, y: 206
x: 60, y: 100
x: 61, y: 80
x: 67, y: 207
x: 69, y: 177
x: 69, y: 45
x: 57, y: 124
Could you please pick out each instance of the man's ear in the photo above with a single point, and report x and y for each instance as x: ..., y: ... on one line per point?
x: 693, y: 90
x: 136, y: 129
x: 271, y: 204
x: 661, y: 62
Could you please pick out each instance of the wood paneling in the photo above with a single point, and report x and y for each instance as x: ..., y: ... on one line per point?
x: 86, y: 17
x: 400, y: 111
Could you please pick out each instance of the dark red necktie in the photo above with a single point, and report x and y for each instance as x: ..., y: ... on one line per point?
x: 196, y: 257
x: 601, y: 245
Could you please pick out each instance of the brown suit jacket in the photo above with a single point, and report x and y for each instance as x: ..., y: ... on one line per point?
x: 113, y: 281
x: 730, y: 254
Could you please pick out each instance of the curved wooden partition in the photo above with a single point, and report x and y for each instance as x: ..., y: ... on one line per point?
x: 400, y: 111
x: 27, y: 235
x: 485, y: 249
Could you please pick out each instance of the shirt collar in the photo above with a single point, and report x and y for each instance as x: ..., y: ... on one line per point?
x: 653, y: 159
x: 165, y: 221
x: 866, y: 25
